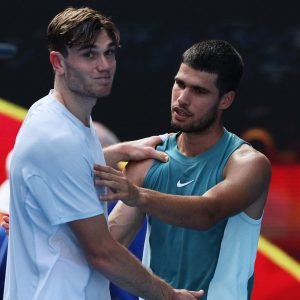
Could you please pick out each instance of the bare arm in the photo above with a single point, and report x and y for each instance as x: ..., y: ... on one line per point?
x: 118, y: 265
x: 134, y: 150
x: 244, y: 188
x: 125, y: 221
x: 138, y: 150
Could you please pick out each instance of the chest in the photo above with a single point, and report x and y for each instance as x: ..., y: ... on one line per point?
x: 182, y: 178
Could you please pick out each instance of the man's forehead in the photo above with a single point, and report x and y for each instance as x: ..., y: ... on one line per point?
x: 195, y: 77
x: 98, y: 46
x: 189, y: 72
x: 102, y: 41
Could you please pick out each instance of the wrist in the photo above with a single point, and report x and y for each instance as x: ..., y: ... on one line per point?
x: 161, y: 290
x: 115, y: 154
x: 142, y: 198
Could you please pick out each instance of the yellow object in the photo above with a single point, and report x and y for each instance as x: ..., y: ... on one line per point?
x: 279, y: 257
x: 12, y: 110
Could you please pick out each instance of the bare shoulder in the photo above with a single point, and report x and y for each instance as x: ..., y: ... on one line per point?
x: 250, y: 169
x: 247, y: 156
x: 136, y: 170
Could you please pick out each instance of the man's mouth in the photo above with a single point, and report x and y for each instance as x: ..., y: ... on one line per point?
x: 181, y: 114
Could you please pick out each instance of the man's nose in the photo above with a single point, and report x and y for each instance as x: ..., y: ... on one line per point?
x: 184, y: 98
x: 103, y: 63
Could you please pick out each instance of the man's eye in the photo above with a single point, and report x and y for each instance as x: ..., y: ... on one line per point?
x: 89, y: 54
x: 179, y: 84
x: 110, y: 52
x: 198, y: 91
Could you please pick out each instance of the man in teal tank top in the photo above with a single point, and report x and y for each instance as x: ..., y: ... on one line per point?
x: 205, y: 205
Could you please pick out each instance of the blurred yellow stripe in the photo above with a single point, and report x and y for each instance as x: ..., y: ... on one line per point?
x: 12, y: 110
x: 279, y: 257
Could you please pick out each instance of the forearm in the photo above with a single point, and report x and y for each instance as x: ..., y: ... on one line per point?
x: 185, y: 211
x: 115, y: 153
x: 124, y: 223
x: 134, y: 150
x: 115, y: 262
x: 124, y: 270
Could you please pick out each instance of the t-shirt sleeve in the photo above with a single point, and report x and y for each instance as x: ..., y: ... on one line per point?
x: 62, y: 186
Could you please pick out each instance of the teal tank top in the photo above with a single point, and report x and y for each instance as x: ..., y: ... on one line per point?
x: 191, y: 256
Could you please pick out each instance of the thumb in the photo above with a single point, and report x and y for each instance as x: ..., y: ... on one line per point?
x: 160, y: 155
x: 197, y: 294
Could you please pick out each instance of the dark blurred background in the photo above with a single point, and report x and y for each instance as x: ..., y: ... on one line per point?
x: 154, y: 34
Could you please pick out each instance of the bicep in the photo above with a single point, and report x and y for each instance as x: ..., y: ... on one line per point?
x: 136, y: 171
x: 246, y: 181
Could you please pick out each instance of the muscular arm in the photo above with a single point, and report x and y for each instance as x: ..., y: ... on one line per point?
x: 134, y: 150
x: 244, y: 188
x: 115, y: 262
x: 125, y: 221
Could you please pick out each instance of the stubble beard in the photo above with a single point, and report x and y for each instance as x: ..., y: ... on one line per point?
x: 79, y: 85
x: 198, y: 126
x: 90, y: 92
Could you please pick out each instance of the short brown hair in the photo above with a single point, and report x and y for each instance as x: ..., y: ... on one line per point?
x: 78, y: 26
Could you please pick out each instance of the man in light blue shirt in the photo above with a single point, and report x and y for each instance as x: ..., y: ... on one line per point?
x: 60, y: 247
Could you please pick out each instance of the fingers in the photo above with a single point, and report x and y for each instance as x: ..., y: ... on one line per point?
x: 5, y: 223
x: 185, y: 294
x: 113, y: 185
x: 121, y: 188
x: 106, y: 169
x: 111, y: 178
x: 106, y: 172
x: 161, y: 156
x: 198, y: 294
x: 154, y: 141
x: 150, y: 152
x: 5, y: 218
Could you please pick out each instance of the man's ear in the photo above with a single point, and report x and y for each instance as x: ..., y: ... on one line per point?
x: 226, y: 100
x: 57, y: 62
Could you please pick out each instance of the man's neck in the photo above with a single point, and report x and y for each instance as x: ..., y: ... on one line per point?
x: 80, y: 107
x: 195, y: 143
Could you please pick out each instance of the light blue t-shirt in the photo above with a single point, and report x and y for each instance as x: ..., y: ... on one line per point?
x: 52, y: 184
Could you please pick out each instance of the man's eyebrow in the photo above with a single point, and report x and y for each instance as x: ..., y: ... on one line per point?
x: 86, y: 46
x: 93, y: 46
x: 201, y: 89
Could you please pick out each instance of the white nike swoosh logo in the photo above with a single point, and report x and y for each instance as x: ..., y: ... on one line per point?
x: 179, y: 184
